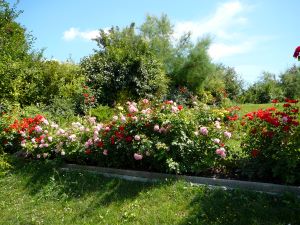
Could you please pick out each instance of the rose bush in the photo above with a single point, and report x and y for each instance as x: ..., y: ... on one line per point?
x: 272, y: 143
x: 146, y: 135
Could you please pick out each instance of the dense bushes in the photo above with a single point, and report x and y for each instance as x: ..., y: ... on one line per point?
x: 271, y: 141
x: 124, y: 65
x: 160, y: 137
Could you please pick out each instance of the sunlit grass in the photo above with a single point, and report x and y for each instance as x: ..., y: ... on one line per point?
x: 39, y: 193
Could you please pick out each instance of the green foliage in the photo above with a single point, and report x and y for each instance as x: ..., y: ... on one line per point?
x: 158, y: 32
x: 263, y: 91
x: 15, y: 59
x: 102, y: 113
x: 124, y: 63
x: 185, y: 63
x: 290, y: 82
x: 195, y: 68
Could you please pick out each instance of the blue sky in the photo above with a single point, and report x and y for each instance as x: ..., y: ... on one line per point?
x: 251, y: 36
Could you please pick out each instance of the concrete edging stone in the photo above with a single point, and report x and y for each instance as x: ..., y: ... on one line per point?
x: 144, y: 176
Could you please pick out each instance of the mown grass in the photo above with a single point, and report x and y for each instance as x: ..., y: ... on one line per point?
x: 39, y: 193
x: 246, y: 108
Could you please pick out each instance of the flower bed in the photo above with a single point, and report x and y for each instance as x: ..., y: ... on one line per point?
x: 163, y: 137
x: 166, y: 137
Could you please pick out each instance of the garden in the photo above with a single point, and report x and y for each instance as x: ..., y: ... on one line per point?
x: 139, y: 102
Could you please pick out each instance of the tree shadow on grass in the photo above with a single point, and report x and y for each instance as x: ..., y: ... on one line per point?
x: 236, y: 207
x: 45, y: 179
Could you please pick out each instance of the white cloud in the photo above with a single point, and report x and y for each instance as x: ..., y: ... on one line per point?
x: 221, y: 50
x: 225, y: 16
x: 74, y: 33
x: 224, y: 25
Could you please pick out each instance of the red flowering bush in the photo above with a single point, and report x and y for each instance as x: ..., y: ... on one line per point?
x: 233, y: 113
x: 271, y: 142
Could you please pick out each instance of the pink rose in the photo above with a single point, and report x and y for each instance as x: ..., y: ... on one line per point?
x: 137, y: 137
x: 105, y: 152
x: 145, y: 101
x: 204, y: 131
x: 137, y: 156
x: 227, y: 134
x: 217, y: 140
x: 156, y: 127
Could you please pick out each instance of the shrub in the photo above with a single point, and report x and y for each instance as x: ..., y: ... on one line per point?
x: 271, y: 145
x: 102, y: 113
x: 160, y: 137
x: 124, y: 63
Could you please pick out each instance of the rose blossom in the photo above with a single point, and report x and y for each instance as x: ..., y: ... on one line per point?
x: 217, y: 124
x: 54, y: 125
x: 204, y: 130
x: 123, y: 119
x: 221, y: 152
x: 72, y: 137
x: 60, y: 132
x: 174, y: 109
x: 132, y: 109
x: 138, y: 156
x: 23, y: 143
x: 45, y: 121
x: 105, y: 152
x: 92, y: 120
x: 145, y: 101
x: 216, y: 140
x: 137, y: 137
x: 156, y: 127
x: 88, y: 143
x: 38, y: 129
x: 227, y: 134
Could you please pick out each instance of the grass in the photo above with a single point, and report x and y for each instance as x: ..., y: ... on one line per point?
x: 39, y: 193
x: 245, y: 108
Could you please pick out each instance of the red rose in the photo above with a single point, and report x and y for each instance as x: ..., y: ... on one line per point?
x: 274, y: 101
x: 255, y: 153
x: 121, y: 128
x: 180, y: 107
x: 100, y: 144
x: 112, y: 140
x: 88, y: 152
x: 128, y: 139
x: 297, y: 51
x: 286, y: 128
x: 286, y: 105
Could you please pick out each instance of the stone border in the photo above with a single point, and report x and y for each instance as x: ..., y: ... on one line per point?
x: 144, y: 176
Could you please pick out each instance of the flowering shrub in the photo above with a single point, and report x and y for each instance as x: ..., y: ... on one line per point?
x: 271, y: 141
x: 154, y: 136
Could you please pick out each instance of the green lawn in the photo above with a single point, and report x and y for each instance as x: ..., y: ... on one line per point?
x: 38, y: 193
x: 245, y: 108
